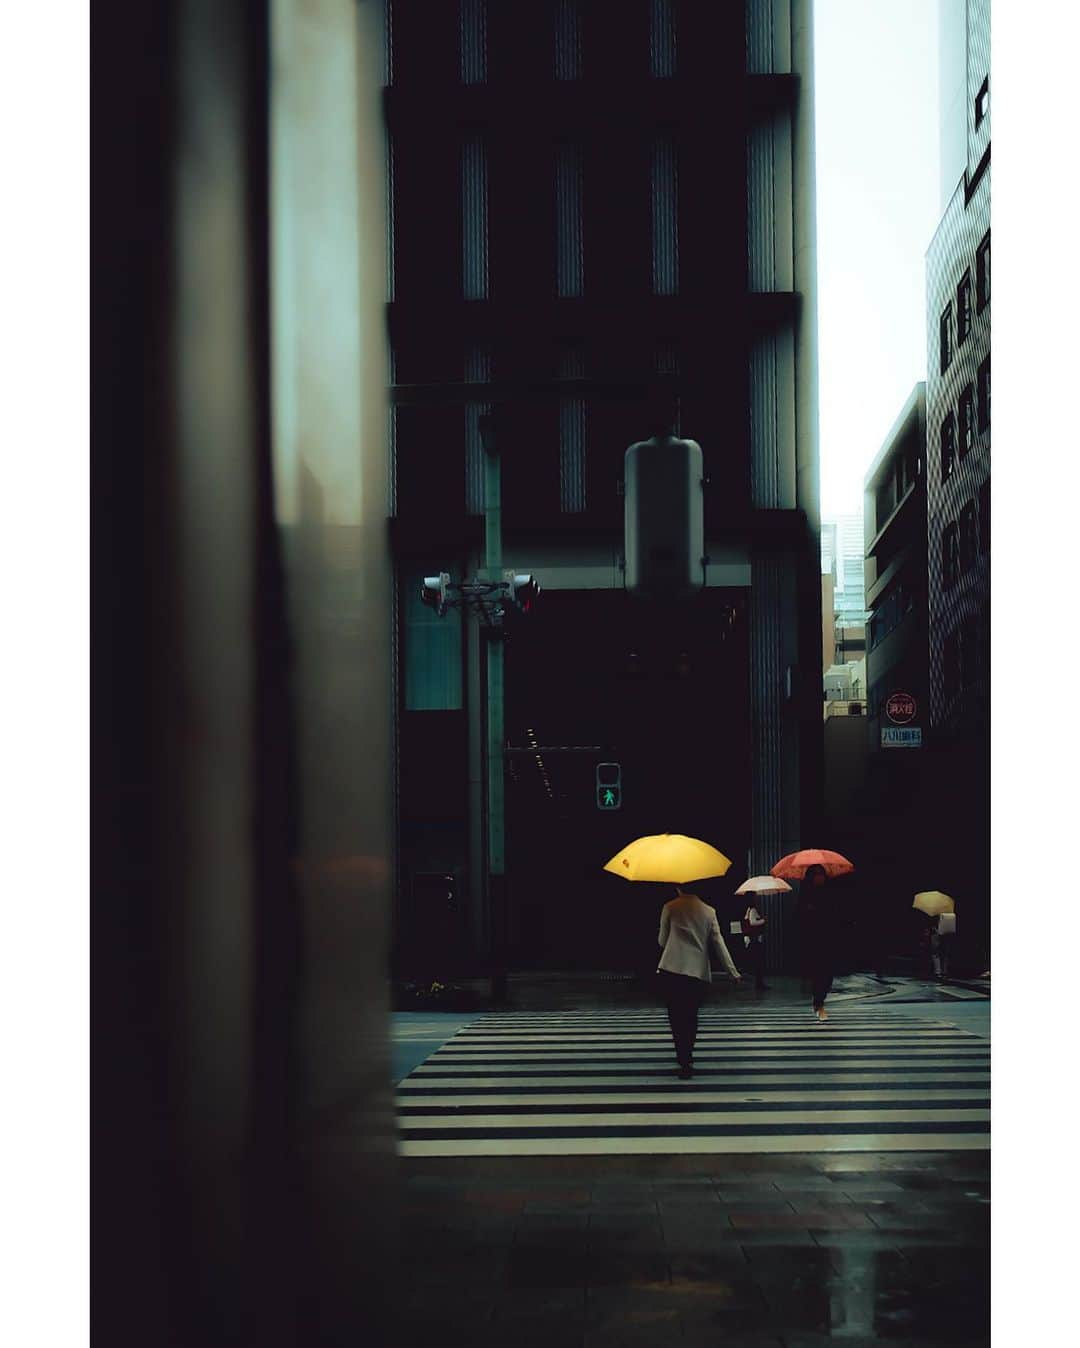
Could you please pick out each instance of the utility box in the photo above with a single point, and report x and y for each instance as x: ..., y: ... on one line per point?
x: 663, y: 525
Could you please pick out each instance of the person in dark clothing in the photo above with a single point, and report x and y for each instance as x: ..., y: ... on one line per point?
x: 819, y: 935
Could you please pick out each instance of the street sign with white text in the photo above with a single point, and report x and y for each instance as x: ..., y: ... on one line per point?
x: 901, y: 737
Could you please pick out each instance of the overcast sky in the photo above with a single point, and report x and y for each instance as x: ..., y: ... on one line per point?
x: 876, y: 91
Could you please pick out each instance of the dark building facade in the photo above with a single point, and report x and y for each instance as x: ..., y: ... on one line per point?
x: 585, y: 198
x: 958, y: 489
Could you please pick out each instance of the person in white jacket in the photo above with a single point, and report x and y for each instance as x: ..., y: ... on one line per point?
x: 689, y: 934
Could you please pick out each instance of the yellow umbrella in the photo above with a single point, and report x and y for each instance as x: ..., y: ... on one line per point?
x: 668, y: 858
x: 933, y: 902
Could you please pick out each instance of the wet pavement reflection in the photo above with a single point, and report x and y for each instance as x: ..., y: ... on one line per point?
x: 737, y: 1250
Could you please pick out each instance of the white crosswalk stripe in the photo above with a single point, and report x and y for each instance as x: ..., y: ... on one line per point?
x: 765, y: 1080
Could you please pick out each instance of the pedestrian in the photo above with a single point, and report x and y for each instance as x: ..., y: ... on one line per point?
x: 689, y: 933
x: 818, y: 927
x: 942, y: 930
x: 753, y: 929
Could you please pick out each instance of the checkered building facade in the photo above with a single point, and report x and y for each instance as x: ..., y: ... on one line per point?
x: 958, y: 420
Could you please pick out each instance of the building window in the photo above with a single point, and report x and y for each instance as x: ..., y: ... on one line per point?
x: 477, y: 371
x: 433, y: 654
x: 948, y: 447
x: 472, y: 27
x: 665, y: 218
x: 984, y: 395
x: 969, y: 537
x: 945, y: 336
x: 982, y: 103
x: 569, y: 235
x: 474, y: 219
x: 568, y: 40
x: 572, y: 438
x: 982, y: 273
x: 963, y: 309
x: 967, y: 421
x: 661, y: 39
x: 950, y: 561
x: 984, y: 517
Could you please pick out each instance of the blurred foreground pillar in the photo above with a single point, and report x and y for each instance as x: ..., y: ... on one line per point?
x: 243, y: 1146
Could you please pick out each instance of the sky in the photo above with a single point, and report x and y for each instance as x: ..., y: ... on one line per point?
x: 878, y: 204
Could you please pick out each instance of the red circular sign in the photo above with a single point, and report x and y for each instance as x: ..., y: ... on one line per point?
x: 900, y: 708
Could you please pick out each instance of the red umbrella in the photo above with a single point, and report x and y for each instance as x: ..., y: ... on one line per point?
x: 795, y: 866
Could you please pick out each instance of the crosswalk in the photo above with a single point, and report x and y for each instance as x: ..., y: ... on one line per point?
x: 767, y: 1079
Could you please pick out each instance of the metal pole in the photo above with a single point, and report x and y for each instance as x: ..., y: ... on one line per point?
x: 496, y: 857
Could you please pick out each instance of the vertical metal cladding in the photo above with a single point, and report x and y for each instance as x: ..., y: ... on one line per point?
x: 767, y: 721
x: 761, y: 204
x: 765, y: 472
x: 662, y: 47
x: 569, y: 233
x: 473, y: 40
x: 572, y: 438
x: 768, y: 37
x: 474, y: 219
x: 665, y: 220
x: 568, y: 45
x: 477, y: 371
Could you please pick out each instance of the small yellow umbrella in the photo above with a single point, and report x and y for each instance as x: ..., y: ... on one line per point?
x: 933, y: 902
x: 668, y: 858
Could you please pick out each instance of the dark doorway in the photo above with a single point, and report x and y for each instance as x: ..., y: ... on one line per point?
x: 660, y: 689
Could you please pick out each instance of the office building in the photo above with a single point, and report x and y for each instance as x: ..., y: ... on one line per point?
x: 584, y: 198
x: 958, y: 464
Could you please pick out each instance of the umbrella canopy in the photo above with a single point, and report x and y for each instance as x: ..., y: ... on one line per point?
x: 796, y: 864
x: 933, y: 902
x: 668, y: 858
x: 764, y: 884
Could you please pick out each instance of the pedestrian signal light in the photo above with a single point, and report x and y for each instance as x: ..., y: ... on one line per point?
x: 433, y: 592
x: 608, y: 786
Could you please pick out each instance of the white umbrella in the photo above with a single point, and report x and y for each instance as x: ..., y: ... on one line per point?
x: 764, y: 884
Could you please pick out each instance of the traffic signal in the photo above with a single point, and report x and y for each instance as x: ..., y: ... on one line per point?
x: 522, y: 591
x: 608, y: 786
x: 433, y: 592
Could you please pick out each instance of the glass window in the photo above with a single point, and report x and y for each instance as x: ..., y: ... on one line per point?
x: 963, y: 309
x: 982, y: 273
x: 948, y: 447
x: 984, y: 395
x: 945, y: 337
x: 969, y: 537
x: 433, y: 654
x: 982, y: 102
x: 967, y: 421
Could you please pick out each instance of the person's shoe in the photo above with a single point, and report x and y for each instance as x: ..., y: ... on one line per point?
x: 685, y: 1073
x: 822, y: 1014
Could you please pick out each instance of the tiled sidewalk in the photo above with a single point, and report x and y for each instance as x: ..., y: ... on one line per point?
x: 786, y: 1251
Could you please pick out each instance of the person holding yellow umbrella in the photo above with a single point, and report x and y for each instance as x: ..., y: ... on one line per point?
x: 689, y: 929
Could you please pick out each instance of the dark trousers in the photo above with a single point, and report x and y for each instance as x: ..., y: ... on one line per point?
x: 754, y: 957
x: 820, y: 982
x: 683, y: 996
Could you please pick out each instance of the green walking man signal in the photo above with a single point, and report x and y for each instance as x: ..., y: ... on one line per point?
x: 608, y: 786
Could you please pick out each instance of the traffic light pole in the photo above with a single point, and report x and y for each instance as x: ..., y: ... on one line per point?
x: 494, y: 739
